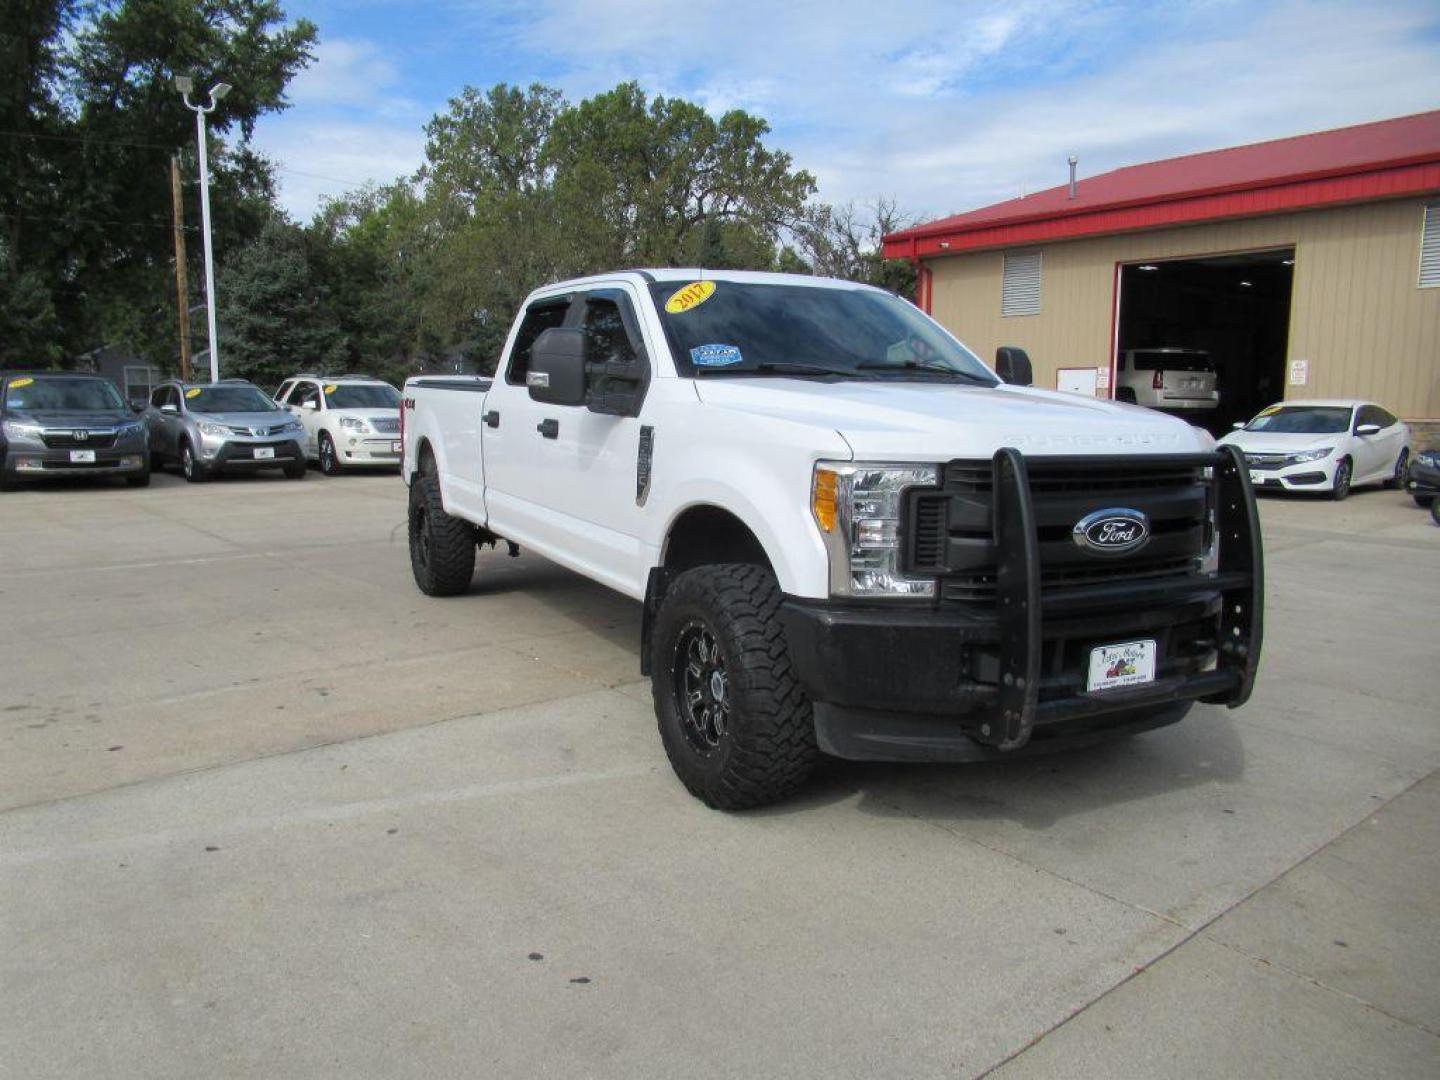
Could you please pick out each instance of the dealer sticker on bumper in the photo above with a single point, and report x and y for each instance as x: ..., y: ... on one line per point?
x: 263, y: 453
x: 82, y: 457
x: 1114, y: 666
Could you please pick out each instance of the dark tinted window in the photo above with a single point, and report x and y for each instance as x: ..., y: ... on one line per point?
x: 606, y: 339
x: 225, y: 399
x: 1302, y: 420
x: 543, y: 315
x: 303, y: 392
x: 158, y: 397
x: 76, y: 395
x: 284, y: 389
x: 1170, y: 361
x: 361, y: 396
x: 735, y: 327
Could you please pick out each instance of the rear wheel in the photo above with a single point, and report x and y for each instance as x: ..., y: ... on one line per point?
x: 1340, y: 487
x: 442, y: 548
x: 1402, y: 468
x: 190, y: 464
x: 1125, y: 394
x: 734, y: 720
x: 329, y: 459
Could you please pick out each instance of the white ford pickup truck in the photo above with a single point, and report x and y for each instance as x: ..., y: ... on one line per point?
x: 850, y: 535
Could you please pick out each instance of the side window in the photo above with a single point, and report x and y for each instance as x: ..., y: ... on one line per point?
x: 284, y: 389
x: 1367, y: 414
x: 158, y: 397
x: 543, y: 315
x: 1387, y: 419
x: 303, y: 392
x: 607, y: 341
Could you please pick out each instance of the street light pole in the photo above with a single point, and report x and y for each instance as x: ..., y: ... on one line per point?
x: 185, y: 84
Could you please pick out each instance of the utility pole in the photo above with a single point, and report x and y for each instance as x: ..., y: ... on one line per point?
x: 185, y: 85
x: 182, y: 291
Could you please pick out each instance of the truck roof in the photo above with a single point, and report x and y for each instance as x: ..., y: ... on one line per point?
x: 648, y: 276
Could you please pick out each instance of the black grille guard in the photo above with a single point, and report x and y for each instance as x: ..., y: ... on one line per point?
x: 1239, y: 578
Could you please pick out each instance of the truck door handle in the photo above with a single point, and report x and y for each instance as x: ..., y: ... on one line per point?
x: 491, y: 418
x: 549, y: 428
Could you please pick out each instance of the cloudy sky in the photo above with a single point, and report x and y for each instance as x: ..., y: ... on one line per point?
x: 944, y: 106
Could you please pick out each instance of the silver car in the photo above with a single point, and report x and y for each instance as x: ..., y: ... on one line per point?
x: 228, y: 425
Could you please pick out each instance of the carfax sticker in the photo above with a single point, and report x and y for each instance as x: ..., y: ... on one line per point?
x: 193, y: 392
x: 15, y: 384
x: 689, y: 297
x: 715, y: 355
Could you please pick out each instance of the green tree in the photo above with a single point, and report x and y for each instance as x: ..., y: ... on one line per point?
x: 274, y: 315
x: 844, y: 241
x: 85, y: 199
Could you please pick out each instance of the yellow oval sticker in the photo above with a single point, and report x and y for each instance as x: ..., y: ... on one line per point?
x: 330, y: 389
x: 689, y: 296
x: 15, y: 384
x: 193, y: 392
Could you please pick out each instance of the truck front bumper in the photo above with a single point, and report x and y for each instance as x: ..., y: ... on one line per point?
x: 898, y: 684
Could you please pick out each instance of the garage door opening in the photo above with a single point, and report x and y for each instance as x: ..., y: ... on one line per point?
x: 1205, y: 338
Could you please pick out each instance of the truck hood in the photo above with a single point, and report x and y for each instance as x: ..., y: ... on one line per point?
x: 940, y: 421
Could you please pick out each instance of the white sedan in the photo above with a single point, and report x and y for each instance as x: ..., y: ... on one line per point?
x: 1326, y: 446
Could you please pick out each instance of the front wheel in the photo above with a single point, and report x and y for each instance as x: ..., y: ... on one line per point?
x: 1341, y: 485
x: 736, y: 725
x: 1402, y: 469
x: 442, y: 548
x: 1423, y: 501
x: 190, y: 464
x: 329, y: 459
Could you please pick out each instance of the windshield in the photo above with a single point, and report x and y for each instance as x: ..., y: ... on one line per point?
x: 1302, y: 420
x: 1173, y: 361
x: 724, y: 327
x: 361, y: 396
x: 61, y: 395
x: 224, y: 399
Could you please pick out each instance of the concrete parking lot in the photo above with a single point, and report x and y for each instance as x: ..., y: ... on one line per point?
x: 267, y: 811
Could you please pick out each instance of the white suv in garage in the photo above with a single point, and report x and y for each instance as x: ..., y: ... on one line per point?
x: 349, y: 420
x: 1172, y: 379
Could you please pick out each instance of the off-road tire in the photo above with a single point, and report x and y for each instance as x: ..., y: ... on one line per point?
x: 195, y: 473
x: 1344, y: 474
x: 768, y: 749
x: 329, y: 465
x: 1402, y: 466
x: 442, y: 548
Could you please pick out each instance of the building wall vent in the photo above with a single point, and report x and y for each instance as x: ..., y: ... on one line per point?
x: 1020, y: 283
x: 1430, y: 248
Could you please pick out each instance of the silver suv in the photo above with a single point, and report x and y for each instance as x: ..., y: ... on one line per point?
x: 227, y: 425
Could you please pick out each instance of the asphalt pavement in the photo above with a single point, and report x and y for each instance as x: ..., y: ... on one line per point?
x: 266, y: 811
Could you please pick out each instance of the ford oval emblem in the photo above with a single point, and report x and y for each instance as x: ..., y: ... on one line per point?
x: 1116, y: 531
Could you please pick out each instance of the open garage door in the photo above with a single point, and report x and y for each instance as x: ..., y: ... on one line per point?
x: 1205, y: 338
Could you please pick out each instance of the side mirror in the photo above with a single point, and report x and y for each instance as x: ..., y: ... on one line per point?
x: 557, y: 367
x: 1367, y: 429
x: 1013, y: 366
x: 170, y: 409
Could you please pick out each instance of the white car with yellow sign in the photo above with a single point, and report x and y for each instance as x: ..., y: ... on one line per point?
x: 850, y: 536
x: 1324, y: 446
x: 349, y: 420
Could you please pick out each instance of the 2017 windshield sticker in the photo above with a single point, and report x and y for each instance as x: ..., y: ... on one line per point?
x: 193, y: 392
x: 15, y: 384
x: 708, y: 356
x: 689, y: 297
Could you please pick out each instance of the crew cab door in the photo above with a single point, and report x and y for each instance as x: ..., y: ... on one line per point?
x: 578, y: 485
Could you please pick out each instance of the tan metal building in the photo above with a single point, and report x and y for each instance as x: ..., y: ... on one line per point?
x: 1305, y: 267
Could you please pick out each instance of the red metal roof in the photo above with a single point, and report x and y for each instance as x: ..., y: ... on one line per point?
x: 1369, y: 161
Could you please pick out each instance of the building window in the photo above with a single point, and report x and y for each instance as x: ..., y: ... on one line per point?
x: 1020, y: 284
x: 1430, y: 248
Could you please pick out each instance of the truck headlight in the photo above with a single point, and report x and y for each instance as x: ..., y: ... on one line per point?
x: 857, y: 508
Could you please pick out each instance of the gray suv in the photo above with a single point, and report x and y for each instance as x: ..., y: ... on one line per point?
x: 56, y: 424
x: 228, y: 425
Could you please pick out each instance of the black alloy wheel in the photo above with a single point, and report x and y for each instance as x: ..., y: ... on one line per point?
x: 702, y: 687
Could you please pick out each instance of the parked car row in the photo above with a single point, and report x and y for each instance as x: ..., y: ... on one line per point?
x: 64, y: 424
